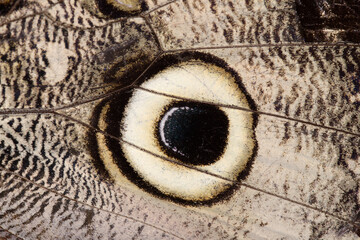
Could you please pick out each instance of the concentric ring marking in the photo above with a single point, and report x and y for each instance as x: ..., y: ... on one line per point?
x: 133, y: 117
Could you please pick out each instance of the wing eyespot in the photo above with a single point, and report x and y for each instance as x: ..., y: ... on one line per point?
x: 172, y: 136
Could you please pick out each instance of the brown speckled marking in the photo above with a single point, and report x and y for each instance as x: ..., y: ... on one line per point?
x: 305, y: 180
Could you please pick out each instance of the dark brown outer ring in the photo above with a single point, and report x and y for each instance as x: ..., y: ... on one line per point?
x: 117, y: 105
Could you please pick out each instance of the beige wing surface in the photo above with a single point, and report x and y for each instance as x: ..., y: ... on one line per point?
x: 83, y: 83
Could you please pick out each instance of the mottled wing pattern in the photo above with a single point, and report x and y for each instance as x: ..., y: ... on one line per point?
x: 57, y: 63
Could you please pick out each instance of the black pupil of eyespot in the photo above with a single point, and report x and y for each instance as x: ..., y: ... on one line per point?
x: 194, y: 133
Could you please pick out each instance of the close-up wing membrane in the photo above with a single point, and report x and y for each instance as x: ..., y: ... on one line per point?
x: 159, y: 119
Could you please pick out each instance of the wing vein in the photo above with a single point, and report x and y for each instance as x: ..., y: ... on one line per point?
x: 85, y: 204
x: 355, y: 224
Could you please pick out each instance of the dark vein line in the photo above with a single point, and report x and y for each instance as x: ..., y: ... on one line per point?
x: 111, y: 22
x: 53, y: 111
x: 157, y: 40
x: 133, y: 85
x: 287, y: 44
x: 252, y: 111
x: 140, y: 148
x: 199, y: 170
x: 158, y: 7
x: 109, y: 94
x: 78, y: 103
x: 85, y: 204
x: 23, y: 111
x: 354, y: 223
x: 69, y: 26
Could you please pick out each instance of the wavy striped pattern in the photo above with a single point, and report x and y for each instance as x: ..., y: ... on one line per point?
x: 58, y: 60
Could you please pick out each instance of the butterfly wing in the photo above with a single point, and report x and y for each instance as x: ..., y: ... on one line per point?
x: 59, y: 61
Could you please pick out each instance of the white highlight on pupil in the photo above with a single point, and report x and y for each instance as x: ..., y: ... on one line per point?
x: 198, y: 81
x: 162, y: 126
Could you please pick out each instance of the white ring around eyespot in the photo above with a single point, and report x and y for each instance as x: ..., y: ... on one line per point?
x: 201, y: 82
